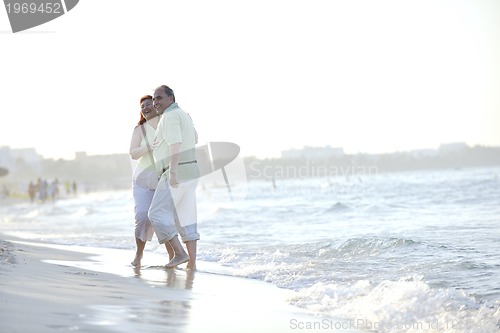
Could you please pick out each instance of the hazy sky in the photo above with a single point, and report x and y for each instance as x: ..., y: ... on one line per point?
x: 368, y: 76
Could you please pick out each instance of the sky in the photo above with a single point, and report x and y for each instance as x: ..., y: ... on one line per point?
x: 368, y: 76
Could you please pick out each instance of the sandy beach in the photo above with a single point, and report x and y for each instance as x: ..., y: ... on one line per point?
x: 51, y: 288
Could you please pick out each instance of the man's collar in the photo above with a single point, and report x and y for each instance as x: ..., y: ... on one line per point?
x: 172, y: 107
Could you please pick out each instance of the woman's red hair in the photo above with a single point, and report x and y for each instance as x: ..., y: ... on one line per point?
x: 142, y: 120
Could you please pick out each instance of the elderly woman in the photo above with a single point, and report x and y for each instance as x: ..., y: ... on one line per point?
x: 144, y: 177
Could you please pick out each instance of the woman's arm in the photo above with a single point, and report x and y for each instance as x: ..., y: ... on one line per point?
x: 136, y: 150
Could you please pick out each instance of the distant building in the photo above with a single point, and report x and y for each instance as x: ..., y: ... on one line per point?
x: 452, y: 147
x: 113, y: 169
x: 80, y: 155
x: 14, y: 159
x: 112, y: 161
x: 422, y: 153
x: 6, y: 160
x: 313, y: 153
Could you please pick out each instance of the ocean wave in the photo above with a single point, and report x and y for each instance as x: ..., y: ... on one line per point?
x: 337, y: 207
x: 355, y: 247
x: 328, y: 282
x: 295, y: 266
x: 402, y: 306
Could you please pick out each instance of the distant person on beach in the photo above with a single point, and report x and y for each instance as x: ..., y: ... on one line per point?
x: 67, y: 185
x: 175, y: 195
x: 53, y: 190
x: 32, y: 189
x: 145, y: 176
x: 42, y: 189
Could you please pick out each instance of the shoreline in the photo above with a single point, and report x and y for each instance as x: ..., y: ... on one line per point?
x: 54, y: 288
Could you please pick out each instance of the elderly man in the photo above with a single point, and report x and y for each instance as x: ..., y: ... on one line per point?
x: 173, y: 208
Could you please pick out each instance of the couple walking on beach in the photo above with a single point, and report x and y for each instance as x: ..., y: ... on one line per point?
x: 165, y: 178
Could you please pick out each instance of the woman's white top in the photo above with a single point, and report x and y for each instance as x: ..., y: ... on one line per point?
x: 145, y: 173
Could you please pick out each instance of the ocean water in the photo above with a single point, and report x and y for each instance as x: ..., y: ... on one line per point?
x: 389, y: 252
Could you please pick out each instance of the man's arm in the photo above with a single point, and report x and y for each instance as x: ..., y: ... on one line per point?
x: 175, y: 150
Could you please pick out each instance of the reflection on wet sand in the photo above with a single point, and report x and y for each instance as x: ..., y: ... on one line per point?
x: 173, y: 278
x: 170, y: 309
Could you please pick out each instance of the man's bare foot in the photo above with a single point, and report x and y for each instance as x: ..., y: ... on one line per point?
x: 137, y: 261
x: 177, y: 260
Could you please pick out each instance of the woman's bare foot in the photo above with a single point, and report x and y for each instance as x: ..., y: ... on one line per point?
x: 177, y: 260
x: 191, y: 266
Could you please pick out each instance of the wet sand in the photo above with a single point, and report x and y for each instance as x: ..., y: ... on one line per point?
x: 54, y: 288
